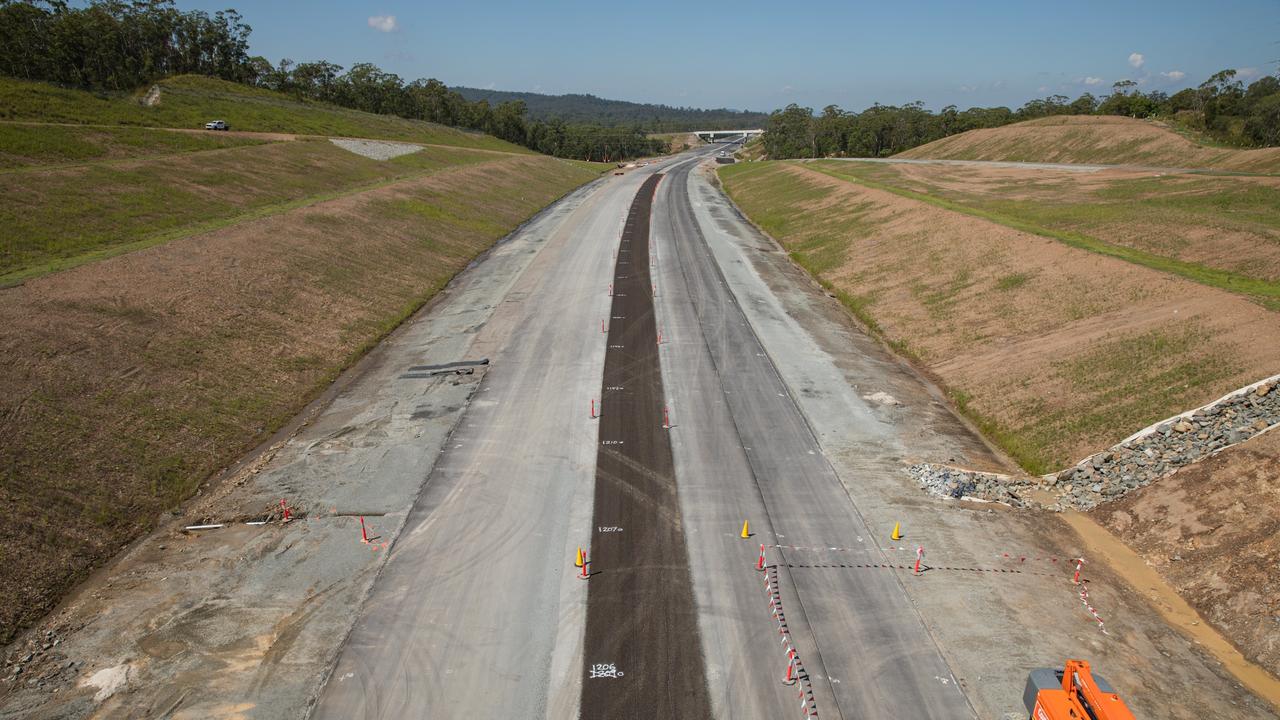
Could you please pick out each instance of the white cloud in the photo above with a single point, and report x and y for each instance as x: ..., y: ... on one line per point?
x: 1091, y: 80
x: 384, y: 23
x: 1246, y: 73
x: 1043, y: 88
x: 1174, y: 75
x: 1136, y: 60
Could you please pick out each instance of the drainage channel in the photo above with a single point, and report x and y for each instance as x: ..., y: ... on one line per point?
x: 642, y: 656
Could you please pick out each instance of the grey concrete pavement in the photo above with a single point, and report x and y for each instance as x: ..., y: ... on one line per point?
x: 478, y: 608
x: 869, y: 652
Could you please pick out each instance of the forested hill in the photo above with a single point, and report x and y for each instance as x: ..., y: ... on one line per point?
x: 590, y: 109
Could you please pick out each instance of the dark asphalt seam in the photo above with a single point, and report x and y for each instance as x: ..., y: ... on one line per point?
x: 642, y: 653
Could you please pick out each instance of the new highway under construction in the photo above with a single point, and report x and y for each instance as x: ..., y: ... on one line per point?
x: 634, y: 463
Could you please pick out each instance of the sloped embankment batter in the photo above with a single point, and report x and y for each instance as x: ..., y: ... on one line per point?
x: 125, y: 383
x: 1055, y: 351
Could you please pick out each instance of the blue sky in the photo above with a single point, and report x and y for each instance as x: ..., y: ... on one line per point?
x: 763, y: 55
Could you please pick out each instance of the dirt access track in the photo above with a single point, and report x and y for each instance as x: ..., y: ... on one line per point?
x: 476, y: 489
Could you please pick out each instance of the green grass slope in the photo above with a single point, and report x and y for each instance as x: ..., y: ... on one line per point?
x: 64, y: 216
x: 38, y: 144
x: 1095, y: 139
x: 189, y: 101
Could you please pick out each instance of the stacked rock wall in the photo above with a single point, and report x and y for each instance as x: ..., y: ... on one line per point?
x: 1137, y: 461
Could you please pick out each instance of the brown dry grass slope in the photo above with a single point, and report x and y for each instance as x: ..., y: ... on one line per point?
x: 1091, y: 139
x: 126, y: 382
x: 1054, y: 350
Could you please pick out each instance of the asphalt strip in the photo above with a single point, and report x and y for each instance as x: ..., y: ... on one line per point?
x: 642, y: 655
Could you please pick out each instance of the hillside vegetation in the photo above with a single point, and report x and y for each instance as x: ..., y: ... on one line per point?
x: 1221, y: 109
x: 1054, y: 350
x: 189, y: 101
x: 113, y: 46
x: 579, y: 108
x: 1089, y: 139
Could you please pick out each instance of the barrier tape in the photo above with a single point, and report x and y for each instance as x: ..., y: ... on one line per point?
x: 912, y: 549
x: 795, y: 668
x: 1083, y: 587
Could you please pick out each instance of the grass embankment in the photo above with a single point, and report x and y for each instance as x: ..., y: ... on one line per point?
x: 1088, y: 139
x: 60, y: 217
x: 125, y: 383
x: 189, y: 101
x: 1223, y: 232
x: 23, y: 146
x: 1053, y: 350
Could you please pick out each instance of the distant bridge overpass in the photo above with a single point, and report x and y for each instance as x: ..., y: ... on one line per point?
x: 717, y: 135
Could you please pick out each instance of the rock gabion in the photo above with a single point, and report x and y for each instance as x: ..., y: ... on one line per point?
x: 1137, y: 461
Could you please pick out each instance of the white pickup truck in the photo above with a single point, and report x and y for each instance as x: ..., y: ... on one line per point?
x: 217, y: 125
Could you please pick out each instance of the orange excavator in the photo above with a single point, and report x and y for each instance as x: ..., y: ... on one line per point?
x: 1073, y: 693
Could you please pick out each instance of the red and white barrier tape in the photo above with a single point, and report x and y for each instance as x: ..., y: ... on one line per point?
x: 795, y: 673
x: 1083, y: 587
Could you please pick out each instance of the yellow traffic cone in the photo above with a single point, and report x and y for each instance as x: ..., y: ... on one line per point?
x: 897, y: 531
x: 578, y: 561
x: 746, y: 533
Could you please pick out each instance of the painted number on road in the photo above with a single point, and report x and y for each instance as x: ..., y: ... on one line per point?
x: 610, y: 442
x: 609, y: 528
x: 614, y: 387
x: 605, y: 670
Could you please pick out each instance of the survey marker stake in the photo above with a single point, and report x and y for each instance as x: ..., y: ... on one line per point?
x: 584, y: 574
x: 760, y: 562
x: 790, y: 678
x: 364, y: 534
x: 919, y: 557
x: 666, y: 419
x: 594, y: 414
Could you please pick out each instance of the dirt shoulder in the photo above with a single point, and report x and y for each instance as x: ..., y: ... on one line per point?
x: 128, y: 382
x: 1212, y: 531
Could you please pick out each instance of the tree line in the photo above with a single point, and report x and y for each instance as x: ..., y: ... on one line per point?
x: 581, y: 108
x: 123, y: 45
x: 1221, y: 107
x: 367, y: 87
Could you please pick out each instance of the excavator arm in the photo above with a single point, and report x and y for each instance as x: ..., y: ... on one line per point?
x: 1073, y: 694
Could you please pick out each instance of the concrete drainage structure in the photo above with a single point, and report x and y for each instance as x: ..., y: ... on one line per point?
x: 1137, y: 461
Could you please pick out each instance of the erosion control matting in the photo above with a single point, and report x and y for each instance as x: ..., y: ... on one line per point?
x: 642, y: 654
